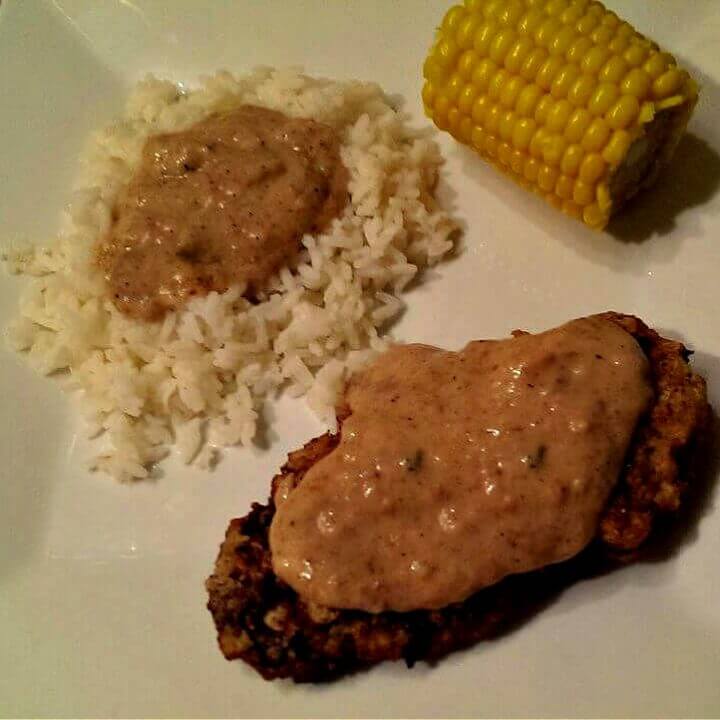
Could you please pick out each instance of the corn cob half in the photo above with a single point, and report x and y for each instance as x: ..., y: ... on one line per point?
x: 561, y: 94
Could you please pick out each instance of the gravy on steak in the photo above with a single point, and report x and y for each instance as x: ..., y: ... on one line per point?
x: 456, y: 469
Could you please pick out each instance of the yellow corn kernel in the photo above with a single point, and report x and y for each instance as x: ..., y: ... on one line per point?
x: 442, y: 104
x: 501, y: 44
x: 546, y: 33
x: 527, y: 100
x: 479, y: 109
x: 657, y: 64
x: 517, y: 54
x: 453, y: 87
x: 509, y: 94
x: 547, y: 177
x: 562, y: 41
x: 564, y: 187
x: 578, y: 50
x: 594, y: 217
x: 511, y: 14
x: 603, y: 98
x: 537, y: 142
x: 647, y: 109
x: 549, y: 69
x: 497, y: 83
x: 467, y: 28
x: 637, y: 82
x: 466, y: 64
x: 586, y: 24
x: 571, y: 159
x: 466, y: 99
x: 483, y: 37
x: 553, y: 149
x: 492, y: 119
x: 564, y: 80
x: 530, y: 22
x: 531, y: 169
x: 506, y: 125
x: 577, y: 125
x: 543, y: 108
x: 627, y: 31
x: 603, y: 197
x: 571, y: 15
x: 602, y: 35
x: 617, y: 148
x: 581, y: 90
x: 504, y: 153
x: 610, y: 19
x: 619, y: 44
x: 523, y: 132
x: 452, y: 18
x: 624, y: 112
x: 614, y: 70
x: 484, y: 72
x: 428, y: 94
x: 440, y: 111
x: 493, y: 8
x: 555, y: 7
x: 668, y: 83
x: 583, y: 194
x: 517, y: 161
x: 453, y: 121
x: 432, y: 71
x: 478, y: 137
x: 596, y: 135
x: 533, y: 63
x: 596, y: 57
x: 572, y: 209
x: 465, y: 131
x: 446, y: 52
x: 671, y: 102
x: 490, y: 146
x: 558, y: 116
x: 555, y: 92
x: 592, y: 168
x: 635, y: 55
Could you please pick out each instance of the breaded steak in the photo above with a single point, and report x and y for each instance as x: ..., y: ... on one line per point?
x: 261, y: 620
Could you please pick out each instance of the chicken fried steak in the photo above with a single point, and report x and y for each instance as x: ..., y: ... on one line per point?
x: 279, y: 627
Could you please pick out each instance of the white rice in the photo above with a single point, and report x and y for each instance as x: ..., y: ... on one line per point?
x: 197, y: 379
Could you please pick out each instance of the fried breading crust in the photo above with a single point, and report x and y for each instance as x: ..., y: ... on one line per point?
x: 264, y: 622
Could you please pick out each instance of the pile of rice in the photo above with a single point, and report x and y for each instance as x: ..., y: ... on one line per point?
x: 197, y: 379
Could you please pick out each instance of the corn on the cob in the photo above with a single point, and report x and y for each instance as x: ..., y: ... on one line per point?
x: 562, y: 95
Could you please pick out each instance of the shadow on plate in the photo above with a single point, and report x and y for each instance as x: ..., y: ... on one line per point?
x: 691, y: 179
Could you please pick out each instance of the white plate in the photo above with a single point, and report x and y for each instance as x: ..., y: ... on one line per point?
x: 102, y: 600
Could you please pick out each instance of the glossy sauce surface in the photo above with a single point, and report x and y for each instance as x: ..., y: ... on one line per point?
x: 455, y: 469
x: 225, y: 201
